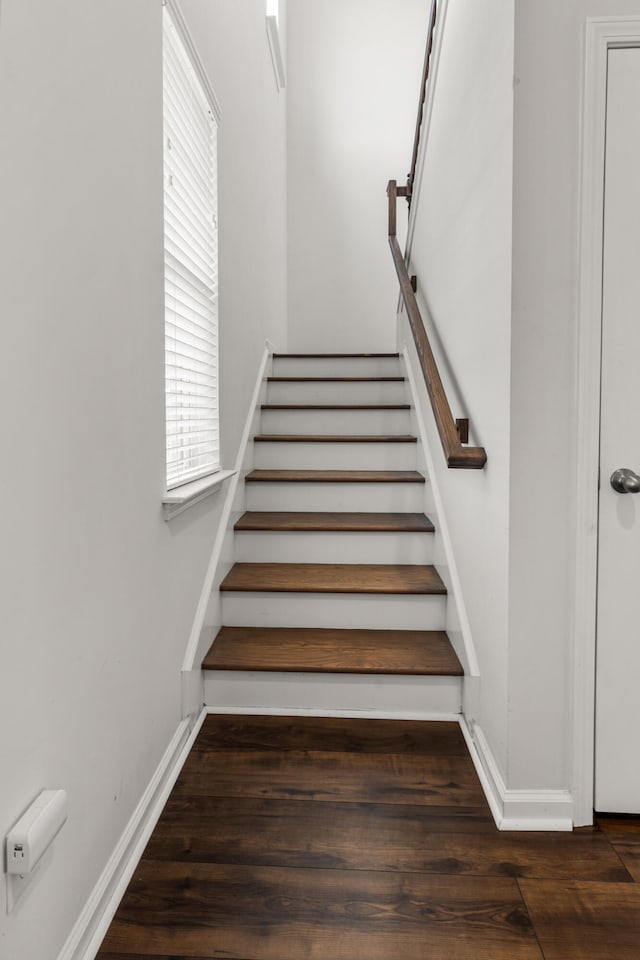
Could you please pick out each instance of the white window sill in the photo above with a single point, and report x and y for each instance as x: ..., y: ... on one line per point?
x: 180, y: 498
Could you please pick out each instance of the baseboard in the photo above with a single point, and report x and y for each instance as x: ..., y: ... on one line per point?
x: 516, y: 809
x: 86, y: 936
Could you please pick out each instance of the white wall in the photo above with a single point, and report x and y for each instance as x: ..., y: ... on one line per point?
x: 353, y: 82
x: 513, y: 347
x: 461, y: 253
x: 97, y: 592
x: 544, y: 350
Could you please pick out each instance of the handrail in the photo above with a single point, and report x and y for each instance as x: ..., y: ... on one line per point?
x: 423, y: 95
x: 456, y: 455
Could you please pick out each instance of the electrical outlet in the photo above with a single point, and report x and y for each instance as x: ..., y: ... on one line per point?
x: 15, y: 854
x: 35, y: 830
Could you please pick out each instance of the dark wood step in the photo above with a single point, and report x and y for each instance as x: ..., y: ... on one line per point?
x: 305, y: 650
x: 375, y: 578
x: 331, y: 438
x: 335, y: 379
x: 334, y: 476
x: 335, y: 356
x: 352, y: 522
x: 335, y: 406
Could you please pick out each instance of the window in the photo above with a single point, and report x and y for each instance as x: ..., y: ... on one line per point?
x: 191, y: 266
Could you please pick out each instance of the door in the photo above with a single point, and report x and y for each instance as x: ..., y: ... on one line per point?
x: 617, y: 760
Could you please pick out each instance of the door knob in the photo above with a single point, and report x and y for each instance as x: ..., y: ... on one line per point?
x: 625, y: 481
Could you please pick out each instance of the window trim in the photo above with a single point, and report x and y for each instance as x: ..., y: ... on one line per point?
x: 196, y: 61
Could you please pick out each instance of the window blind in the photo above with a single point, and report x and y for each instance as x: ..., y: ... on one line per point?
x: 191, y: 268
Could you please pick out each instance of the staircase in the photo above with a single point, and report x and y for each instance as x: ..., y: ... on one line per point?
x: 333, y: 603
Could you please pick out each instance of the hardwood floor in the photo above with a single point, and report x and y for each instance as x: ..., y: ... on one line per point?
x: 290, y: 839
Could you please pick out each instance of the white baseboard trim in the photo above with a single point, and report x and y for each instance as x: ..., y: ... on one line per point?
x: 345, y: 714
x: 89, y: 930
x: 516, y: 809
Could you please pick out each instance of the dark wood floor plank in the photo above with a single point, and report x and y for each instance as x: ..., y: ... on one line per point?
x: 585, y: 921
x: 629, y: 853
x: 624, y: 834
x: 377, y: 578
x: 334, y: 476
x: 389, y: 652
x: 142, y: 956
x: 372, y: 837
x: 270, y: 913
x: 292, y: 833
x: 314, y: 521
x: 423, y: 738
x: 384, y: 778
x: 620, y: 827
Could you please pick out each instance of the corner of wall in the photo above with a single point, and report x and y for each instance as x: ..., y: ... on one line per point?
x: 527, y: 810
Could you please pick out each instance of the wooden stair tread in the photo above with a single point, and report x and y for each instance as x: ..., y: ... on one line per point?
x: 334, y: 476
x: 334, y: 356
x: 379, y: 578
x: 335, y: 379
x: 309, y: 650
x: 332, y: 438
x: 335, y: 406
x: 352, y: 522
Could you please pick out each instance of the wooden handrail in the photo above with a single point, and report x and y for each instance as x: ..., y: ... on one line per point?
x: 456, y: 455
x: 423, y: 95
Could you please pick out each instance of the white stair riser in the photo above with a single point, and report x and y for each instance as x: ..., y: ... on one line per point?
x: 335, y: 497
x: 332, y: 547
x: 334, y: 456
x: 428, y: 697
x: 357, y: 611
x: 332, y: 392
x: 336, y: 367
x: 352, y: 422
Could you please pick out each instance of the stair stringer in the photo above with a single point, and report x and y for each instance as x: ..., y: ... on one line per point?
x: 208, y: 617
x: 457, y: 622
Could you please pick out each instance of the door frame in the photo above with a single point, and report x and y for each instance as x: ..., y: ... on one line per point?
x: 602, y: 34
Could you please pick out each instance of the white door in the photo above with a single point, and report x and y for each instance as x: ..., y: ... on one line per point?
x: 617, y: 762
